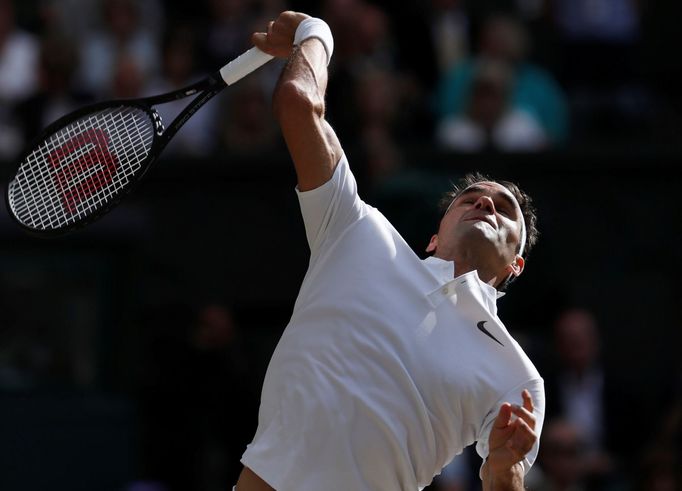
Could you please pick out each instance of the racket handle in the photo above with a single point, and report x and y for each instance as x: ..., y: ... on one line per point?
x: 244, y: 64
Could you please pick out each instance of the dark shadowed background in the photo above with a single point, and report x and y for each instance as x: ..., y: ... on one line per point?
x: 132, y: 352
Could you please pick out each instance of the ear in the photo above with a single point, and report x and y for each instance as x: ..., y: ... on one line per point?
x: 433, y: 244
x: 516, y: 267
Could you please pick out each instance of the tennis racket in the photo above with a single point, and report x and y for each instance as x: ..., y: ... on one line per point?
x: 83, y: 164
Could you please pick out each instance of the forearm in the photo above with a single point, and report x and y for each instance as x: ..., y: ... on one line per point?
x: 303, y: 82
x: 299, y: 107
x: 298, y: 101
x: 502, y: 480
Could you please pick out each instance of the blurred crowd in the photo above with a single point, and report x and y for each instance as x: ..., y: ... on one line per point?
x: 464, y: 76
x: 459, y: 76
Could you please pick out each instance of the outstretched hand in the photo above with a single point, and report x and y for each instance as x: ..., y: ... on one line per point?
x: 511, y: 438
x: 278, y: 40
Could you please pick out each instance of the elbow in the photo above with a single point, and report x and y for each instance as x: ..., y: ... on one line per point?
x: 292, y: 100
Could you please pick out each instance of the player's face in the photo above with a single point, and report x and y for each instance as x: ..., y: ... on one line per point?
x: 485, y: 217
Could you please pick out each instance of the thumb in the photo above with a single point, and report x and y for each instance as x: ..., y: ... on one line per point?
x: 260, y: 40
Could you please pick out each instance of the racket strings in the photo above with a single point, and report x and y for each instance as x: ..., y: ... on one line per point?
x: 81, y: 168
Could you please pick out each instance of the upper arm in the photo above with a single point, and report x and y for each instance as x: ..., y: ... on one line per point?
x: 299, y: 108
x: 331, y: 208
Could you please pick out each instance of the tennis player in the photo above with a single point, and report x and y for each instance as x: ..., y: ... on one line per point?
x: 391, y: 365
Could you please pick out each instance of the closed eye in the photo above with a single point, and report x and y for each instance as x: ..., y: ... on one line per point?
x: 504, y: 209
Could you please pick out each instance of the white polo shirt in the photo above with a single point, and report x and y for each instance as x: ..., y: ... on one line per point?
x: 383, y: 374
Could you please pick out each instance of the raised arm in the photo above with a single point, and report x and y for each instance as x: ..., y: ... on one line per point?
x: 298, y: 101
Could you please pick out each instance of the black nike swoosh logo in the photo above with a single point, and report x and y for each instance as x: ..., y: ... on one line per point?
x: 481, y: 327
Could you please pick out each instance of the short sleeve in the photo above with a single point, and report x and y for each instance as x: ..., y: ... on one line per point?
x: 331, y: 208
x: 537, y: 392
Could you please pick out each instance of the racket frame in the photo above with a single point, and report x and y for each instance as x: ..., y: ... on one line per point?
x: 203, y: 90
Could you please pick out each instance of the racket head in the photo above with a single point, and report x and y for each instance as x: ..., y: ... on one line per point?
x: 82, y: 165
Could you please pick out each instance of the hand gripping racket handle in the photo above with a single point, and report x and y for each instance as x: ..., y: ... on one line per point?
x: 244, y: 64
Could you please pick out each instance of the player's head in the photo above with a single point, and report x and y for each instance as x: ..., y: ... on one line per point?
x: 488, y: 224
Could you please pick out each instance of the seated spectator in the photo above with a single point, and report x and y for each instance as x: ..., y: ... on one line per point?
x: 18, y: 57
x: 58, y: 16
x: 599, y: 64
x: 583, y: 392
x: 598, y: 42
x: 385, y: 97
x: 121, y: 40
x: 127, y: 79
x: 228, y: 32
x: 198, y: 137
x: 378, y: 102
x: 56, y: 95
x: 361, y: 50
x: 532, y: 89
x: 196, y: 399
x: 450, y: 32
x: 489, y: 120
x: 244, y: 130
x: 561, y: 459
x: 19, y: 53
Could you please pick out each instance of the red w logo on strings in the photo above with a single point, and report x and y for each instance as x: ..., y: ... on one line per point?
x: 78, y: 177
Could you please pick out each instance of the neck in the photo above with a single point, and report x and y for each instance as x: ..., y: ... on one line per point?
x: 465, y: 263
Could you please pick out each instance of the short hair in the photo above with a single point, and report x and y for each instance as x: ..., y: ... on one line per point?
x: 525, y: 203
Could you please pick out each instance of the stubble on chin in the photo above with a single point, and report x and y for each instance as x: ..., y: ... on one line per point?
x: 476, y: 243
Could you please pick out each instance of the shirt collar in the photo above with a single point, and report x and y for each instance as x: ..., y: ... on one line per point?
x: 440, y: 268
x: 444, y: 270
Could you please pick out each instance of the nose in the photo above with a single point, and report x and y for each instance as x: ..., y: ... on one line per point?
x: 485, y: 203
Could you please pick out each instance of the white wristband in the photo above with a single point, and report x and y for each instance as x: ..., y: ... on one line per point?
x: 312, y: 27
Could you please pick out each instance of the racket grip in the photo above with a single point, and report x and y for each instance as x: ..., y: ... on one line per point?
x: 244, y: 64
